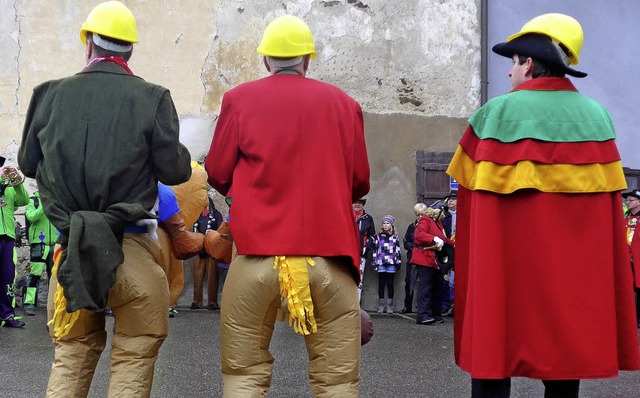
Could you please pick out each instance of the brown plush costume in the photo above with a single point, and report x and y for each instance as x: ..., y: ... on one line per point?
x: 192, y: 198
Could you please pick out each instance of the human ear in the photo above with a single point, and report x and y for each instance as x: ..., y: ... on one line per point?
x: 266, y: 64
x: 529, y: 68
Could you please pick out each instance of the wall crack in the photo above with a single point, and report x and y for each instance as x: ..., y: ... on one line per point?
x: 18, y: 80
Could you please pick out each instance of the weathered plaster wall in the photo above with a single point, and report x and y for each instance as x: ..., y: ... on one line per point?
x: 9, y: 73
x: 412, y: 64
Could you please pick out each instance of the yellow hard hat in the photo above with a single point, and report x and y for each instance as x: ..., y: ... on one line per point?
x: 561, y: 28
x: 111, y: 19
x: 287, y: 36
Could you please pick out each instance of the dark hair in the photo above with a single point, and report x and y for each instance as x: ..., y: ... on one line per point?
x: 540, y: 69
x: 101, y: 52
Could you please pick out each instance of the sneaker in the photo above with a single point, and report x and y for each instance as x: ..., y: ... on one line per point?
x: 213, y: 307
x: 11, y: 323
x: 30, y: 310
x: 172, y: 312
x: 426, y: 321
x: 450, y: 312
x: 439, y: 320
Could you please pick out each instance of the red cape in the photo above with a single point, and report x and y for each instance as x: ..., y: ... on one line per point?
x: 542, y: 289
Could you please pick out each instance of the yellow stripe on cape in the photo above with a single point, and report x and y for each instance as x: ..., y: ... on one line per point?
x: 565, y: 178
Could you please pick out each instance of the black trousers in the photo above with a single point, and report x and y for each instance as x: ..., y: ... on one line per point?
x: 429, y: 285
x: 409, y: 285
x: 385, y: 279
x: 501, y: 388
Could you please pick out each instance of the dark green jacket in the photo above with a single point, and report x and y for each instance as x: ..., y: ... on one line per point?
x: 98, y: 142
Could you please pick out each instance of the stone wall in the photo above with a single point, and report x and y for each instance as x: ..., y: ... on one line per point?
x: 412, y: 64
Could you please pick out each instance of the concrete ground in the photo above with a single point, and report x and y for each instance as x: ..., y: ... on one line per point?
x: 402, y: 360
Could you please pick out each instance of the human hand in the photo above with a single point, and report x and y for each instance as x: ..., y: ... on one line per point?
x: 439, y: 242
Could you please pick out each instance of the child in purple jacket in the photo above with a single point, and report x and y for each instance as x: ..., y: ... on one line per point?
x: 387, y: 260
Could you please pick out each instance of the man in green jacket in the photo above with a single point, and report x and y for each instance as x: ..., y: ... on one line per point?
x: 42, y: 235
x: 12, y: 196
x: 98, y: 143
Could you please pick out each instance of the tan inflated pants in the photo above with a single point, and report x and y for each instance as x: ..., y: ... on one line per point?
x: 250, y: 301
x: 139, y: 300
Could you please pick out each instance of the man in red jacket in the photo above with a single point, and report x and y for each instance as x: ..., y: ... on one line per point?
x: 632, y: 217
x: 293, y: 150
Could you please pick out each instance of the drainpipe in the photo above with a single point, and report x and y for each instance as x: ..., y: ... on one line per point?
x: 484, y: 48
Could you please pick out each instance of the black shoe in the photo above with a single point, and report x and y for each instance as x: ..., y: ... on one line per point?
x: 426, y: 321
x: 449, y: 313
x: 213, y: 307
x: 195, y: 306
x: 405, y: 310
x: 12, y: 323
x: 439, y: 320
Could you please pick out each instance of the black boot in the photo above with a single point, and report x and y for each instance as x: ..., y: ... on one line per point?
x: 408, y: 301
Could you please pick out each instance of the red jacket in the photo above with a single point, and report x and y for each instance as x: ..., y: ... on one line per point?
x: 423, y: 236
x: 294, y: 150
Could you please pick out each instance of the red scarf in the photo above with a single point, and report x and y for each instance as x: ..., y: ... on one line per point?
x: 358, y: 214
x: 113, y: 59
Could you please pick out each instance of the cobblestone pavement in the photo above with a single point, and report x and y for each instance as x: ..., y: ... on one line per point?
x: 402, y: 360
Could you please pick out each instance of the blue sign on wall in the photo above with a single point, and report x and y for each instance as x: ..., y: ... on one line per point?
x: 453, y: 184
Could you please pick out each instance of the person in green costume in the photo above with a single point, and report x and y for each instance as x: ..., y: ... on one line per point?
x: 12, y: 196
x: 42, y: 235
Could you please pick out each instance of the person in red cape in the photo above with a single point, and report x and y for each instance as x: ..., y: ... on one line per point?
x: 632, y: 216
x: 293, y: 151
x: 543, y: 281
